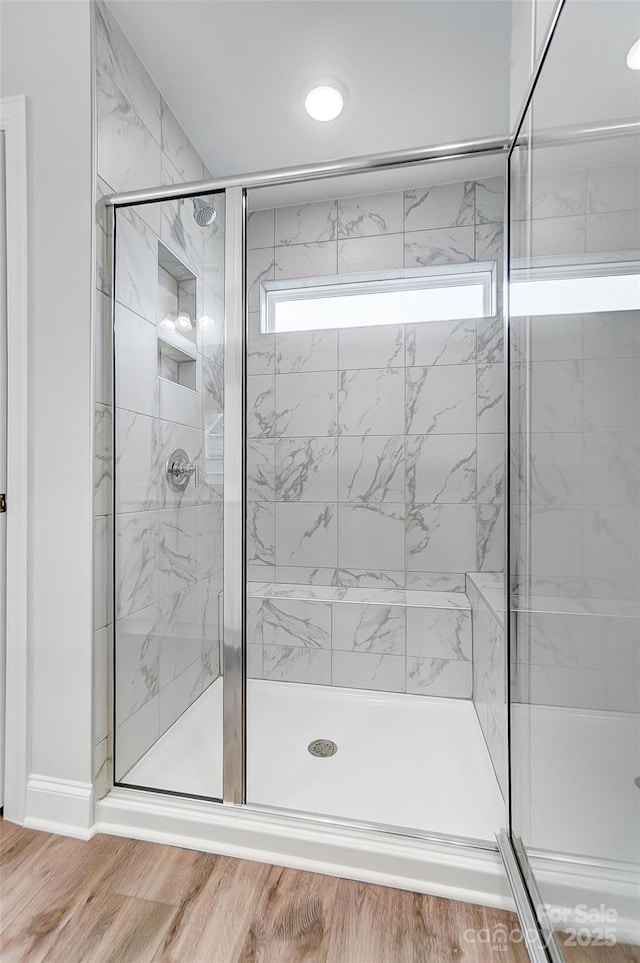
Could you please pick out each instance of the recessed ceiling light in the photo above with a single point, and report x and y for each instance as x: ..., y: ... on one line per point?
x: 324, y: 102
x: 633, y: 57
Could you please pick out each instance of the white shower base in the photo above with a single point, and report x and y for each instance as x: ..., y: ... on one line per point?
x: 408, y: 761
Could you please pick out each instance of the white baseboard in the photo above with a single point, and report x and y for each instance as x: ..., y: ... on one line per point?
x: 452, y: 871
x: 570, y: 885
x: 60, y: 806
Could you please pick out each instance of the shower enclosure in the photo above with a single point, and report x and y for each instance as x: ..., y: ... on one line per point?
x: 313, y: 398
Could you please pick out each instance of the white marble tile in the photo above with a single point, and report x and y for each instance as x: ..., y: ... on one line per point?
x: 611, y: 543
x: 306, y: 404
x: 301, y: 351
x: 136, y: 561
x: 128, y: 156
x: 296, y: 663
x: 260, y: 229
x: 296, y: 622
x: 306, y: 534
x: 102, y: 571
x: 116, y: 57
x: 306, y: 223
x: 439, y: 677
x: 260, y: 267
x: 490, y: 398
x: 441, y: 468
x: 433, y: 582
x: 555, y: 638
x: 490, y: 538
x: 303, y: 575
x: 372, y: 468
x: 176, y: 560
x: 554, y: 546
x: 552, y: 338
x: 260, y: 533
x: 364, y: 670
x: 554, y: 469
x: 261, y: 348
x: 554, y: 194
x: 172, y: 436
x: 560, y: 686
x: 612, y: 335
x: 612, y: 394
x: 376, y: 578
x: 441, y: 538
x: 260, y: 405
x: 490, y: 468
x: 489, y: 239
x: 135, y: 736
x: 136, y: 279
x: 359, y: 254
x: 441, y: 399
x: 556, y: 389
x: 549, y: 236
x: 371, y: 215
x: 360, y: 627
x: 615, y: 188
x: 212, y: 326
x: 178, y: 148
x: 377, y: 347
x: 439, y: 633
x: 371, y: 401
x: 305, y: 260
x: 441, y: 342
x: 442, y: 205
x: 371, y: 536
x: 254, y: 661
x: 178, y: 227
x: 102, y: 351
x: 618, y: 231
x: 622, y: 644
x: 623, y: 691
x: 490, y: 340
x: 137, y: 384
x: 611, y: 467
x: 453, y: 245
x: 260, y: 469
x: 102, y: 460
x: 102, y: 683
x: 490, y: 200
x: 306, y: 469
x: 140, y: 459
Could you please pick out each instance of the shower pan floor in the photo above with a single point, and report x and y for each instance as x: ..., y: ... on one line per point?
x: 407, y: 761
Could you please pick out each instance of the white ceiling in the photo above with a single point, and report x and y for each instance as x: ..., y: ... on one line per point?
x: 418, y: 72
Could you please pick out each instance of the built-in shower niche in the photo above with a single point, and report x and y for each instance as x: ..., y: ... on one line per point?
x: 177, y: 330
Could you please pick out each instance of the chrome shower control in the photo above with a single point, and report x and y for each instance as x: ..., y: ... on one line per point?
x: 179, y: 470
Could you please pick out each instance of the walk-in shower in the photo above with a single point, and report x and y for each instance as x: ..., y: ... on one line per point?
x: 325, y: 449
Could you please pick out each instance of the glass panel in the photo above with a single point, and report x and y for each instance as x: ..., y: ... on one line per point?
x: 169, y: 354
x: 374, y: 510
x: 575, y: 493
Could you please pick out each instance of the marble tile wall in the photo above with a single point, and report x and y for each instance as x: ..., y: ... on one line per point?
x: 576, y: 474
x: 485, y: 591
x: 169, y: 560
x: 386, y: 639
x: 375, y: 454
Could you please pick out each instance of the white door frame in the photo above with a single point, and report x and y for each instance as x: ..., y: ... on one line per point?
x: 13, y: 124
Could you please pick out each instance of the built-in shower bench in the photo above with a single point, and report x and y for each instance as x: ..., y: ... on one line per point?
x: 360, y: 636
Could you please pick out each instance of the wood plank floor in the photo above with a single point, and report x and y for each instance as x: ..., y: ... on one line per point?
x: 112, y: 899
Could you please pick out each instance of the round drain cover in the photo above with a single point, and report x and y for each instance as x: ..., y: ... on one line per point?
x: 322, y: 748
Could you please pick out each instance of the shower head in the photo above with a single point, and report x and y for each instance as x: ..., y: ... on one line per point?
x: 203, y: 213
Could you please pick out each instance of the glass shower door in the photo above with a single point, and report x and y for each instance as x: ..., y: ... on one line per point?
x: 575, y: 487
x: 168, y: 494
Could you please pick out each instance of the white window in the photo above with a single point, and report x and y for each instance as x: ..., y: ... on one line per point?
x: 575, y: 288
x: 399, y: 297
